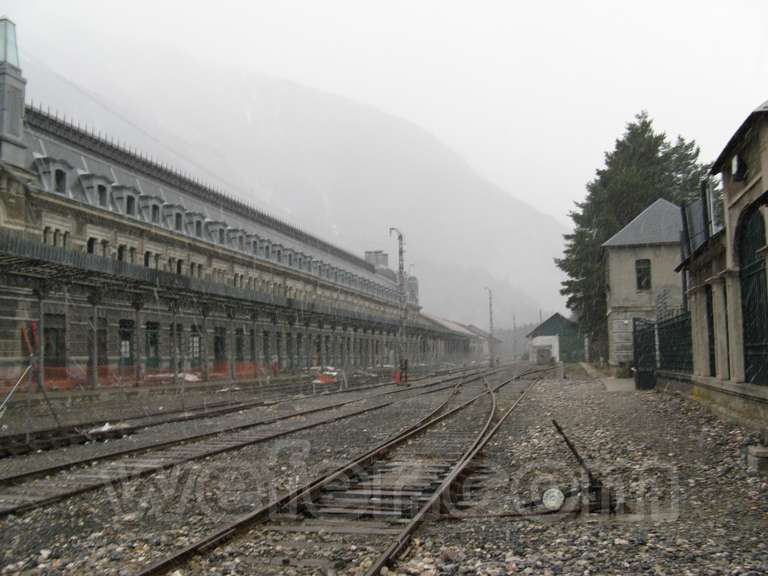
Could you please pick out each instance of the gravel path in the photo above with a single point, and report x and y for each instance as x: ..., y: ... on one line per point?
x: 697, y: 509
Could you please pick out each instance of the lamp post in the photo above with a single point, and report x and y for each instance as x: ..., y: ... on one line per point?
x: 491, y: 343
x: 402, y: 361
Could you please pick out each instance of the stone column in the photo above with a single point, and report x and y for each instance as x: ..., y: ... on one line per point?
x: 735, y: 326
x: 94, y: 299
x: 204, y: 311
x: 720, y: 328
x: 230, y: 343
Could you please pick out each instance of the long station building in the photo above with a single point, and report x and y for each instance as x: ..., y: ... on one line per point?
x: 115, y: 268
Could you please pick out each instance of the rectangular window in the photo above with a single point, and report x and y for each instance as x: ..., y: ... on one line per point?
x: 60, y: 181
x: 177, y: 221
x: 152, y: 344
x: 194, y: 346
x: 126, y: 342
x: 55, y: 337
x: 220, y: 344
x: 155, y: 213
x: 643, y: 274
x: 130, y: 205
x: 102, y: 191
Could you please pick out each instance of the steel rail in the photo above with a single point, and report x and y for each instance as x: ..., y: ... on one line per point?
x: 391, y: 553
x: 147, y: 470
x: 16, y: 478
x: 80, y: 434
x: 297, y: 496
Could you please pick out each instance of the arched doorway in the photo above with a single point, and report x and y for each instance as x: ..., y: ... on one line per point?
x: 754, y: 296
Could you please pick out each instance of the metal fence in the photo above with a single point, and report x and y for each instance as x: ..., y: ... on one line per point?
x: 675, y: 344
x: 663, y: 345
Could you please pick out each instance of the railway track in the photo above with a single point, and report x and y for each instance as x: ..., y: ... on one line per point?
x: 371, y: 505
x: 102, y: 430
x: 43, y: 486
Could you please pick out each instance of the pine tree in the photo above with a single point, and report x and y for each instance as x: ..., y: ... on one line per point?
x: 642, y: 167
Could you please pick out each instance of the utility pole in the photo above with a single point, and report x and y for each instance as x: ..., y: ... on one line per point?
x: 402, y: 360
x: 514, y: 337
x: 491, y: 343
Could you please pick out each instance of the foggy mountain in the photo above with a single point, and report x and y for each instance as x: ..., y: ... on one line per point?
x: 334, y: 167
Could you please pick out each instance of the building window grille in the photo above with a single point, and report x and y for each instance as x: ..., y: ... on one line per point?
x: 60, y: 181
x: 643, y: 274
x: 102, y: 193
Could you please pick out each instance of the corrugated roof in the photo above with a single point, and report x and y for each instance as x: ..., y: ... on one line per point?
x: 660, y: 223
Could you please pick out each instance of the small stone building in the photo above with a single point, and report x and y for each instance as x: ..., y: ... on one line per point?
x: 641, y: 278
x: 555, y: 340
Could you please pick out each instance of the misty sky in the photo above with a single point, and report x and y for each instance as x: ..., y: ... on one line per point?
x: 531, y: 94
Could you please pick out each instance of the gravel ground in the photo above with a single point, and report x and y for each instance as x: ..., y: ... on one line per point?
x: 117, y: 530
x: 150, y: 436
x: 694, y: 507
x: 141, y: 401
x: 262, y: 551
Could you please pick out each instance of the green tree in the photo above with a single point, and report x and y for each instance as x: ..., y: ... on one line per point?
x: 643, y: 166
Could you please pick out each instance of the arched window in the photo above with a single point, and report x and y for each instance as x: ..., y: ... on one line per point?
x: 56, y: 234
x: 177, y: 221
x: 130, y: 205
x: 147, y: 258
x: 60, y: 181
x: 121, y: 252
x: 179, y: 266
x: 91, y: 246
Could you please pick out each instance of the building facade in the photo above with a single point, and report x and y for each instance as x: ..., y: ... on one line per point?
x: 115, y: 268
x: 728, y: 291
x: 641, y: 277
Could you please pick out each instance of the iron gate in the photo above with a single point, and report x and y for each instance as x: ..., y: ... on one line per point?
x: 754, y: 298
x: 644, y: 344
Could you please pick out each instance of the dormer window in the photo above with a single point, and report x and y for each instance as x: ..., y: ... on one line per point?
x: 221, y: 235
x: 101, y: 192
x: 199, y: 228
x: 60, y: 181
x: 267, y: 252
x: 130, y: 206
x: 241, y: 243
x: 177, y: 223
x: 155, y: 214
